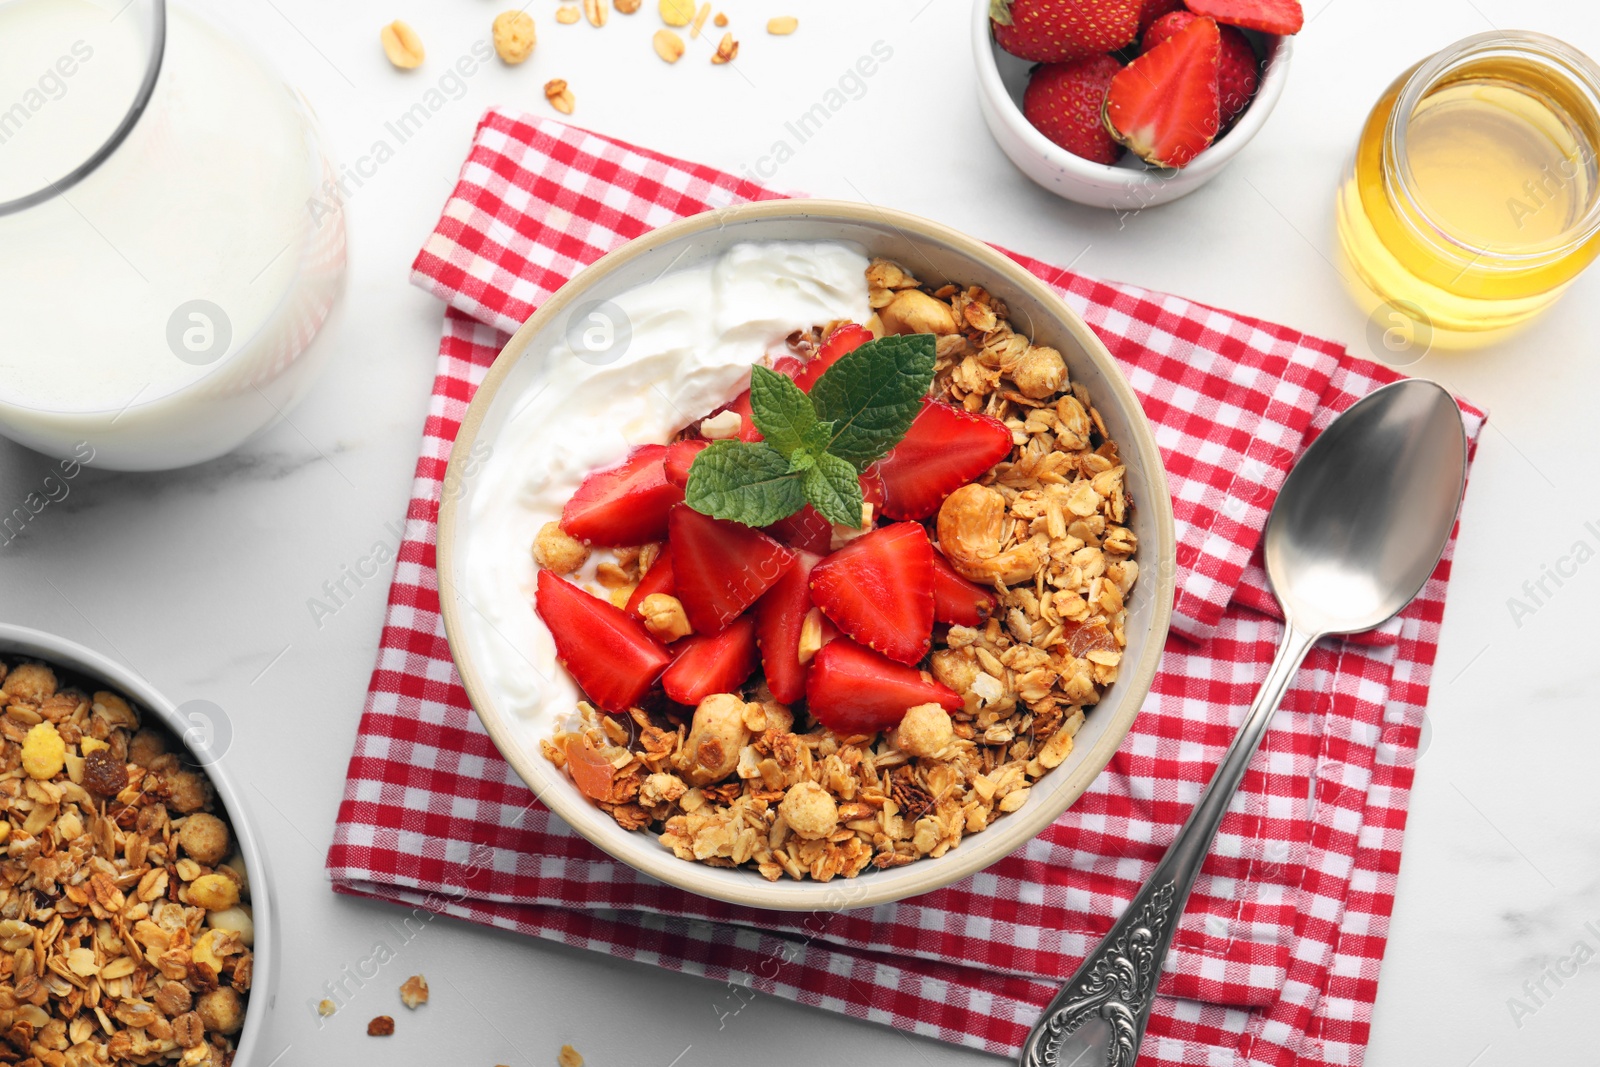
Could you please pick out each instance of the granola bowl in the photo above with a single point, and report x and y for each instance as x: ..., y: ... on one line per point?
x: 120, y: 792
x: 547, y: 398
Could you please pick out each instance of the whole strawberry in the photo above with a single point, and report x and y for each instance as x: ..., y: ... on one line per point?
x: 1154, y: 9
x: 1064, y: 102
x: 1054, y: 31
x: 1238, y: 69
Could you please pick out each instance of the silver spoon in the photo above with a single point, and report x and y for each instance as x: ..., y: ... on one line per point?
x: 1356, y: 530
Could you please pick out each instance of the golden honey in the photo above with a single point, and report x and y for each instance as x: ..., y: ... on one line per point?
x: 1473, y: 199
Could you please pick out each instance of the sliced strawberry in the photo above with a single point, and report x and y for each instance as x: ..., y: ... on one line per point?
x: 608, y: 652
x: 853, y: 690
x: 721, y: 568
x: 1268, y: 16
x: 680, y: 457
x: 945, y: 449
x: 779, y: 615
x: 956, y: 600
x: 1238, y: 68
x: 623, y: 505
x: 1064, y: 101
x: 658, y: 579
x: 712, y: 663
x: 878, y: 589
x: 840, y: 342
x: 1165, y: 105
x: 805, y: 529
x: 1154, y: 9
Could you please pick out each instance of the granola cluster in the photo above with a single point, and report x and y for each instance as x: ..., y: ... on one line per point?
x: 747, y: 780
x: 123, y: 936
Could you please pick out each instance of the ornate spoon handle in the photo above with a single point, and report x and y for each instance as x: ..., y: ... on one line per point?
x: 1098, y: 1018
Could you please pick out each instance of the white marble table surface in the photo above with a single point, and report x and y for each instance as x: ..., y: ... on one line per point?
x: 201, y: 578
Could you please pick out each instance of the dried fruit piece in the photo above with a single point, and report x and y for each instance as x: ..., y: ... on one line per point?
x: 1267, y: 16
x: 381, y: 1026
x: 560, y: 97
x: 1054, y: 31
x: 402, y: 45
x: 414, y: 991
x: 514, y: 36
x: 44, y: 753
x: 676, y: 12
x: 597, y: 11
x: 727, y: 50
x: 1065, y: 101
x: 1164, y: 105
x: 668, y: 45
x: 567, y: 15
x: 783, y: 25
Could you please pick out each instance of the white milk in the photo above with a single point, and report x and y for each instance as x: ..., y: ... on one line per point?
x: 102, y: 336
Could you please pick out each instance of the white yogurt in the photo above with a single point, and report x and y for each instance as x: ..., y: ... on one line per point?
x: 695, y: 334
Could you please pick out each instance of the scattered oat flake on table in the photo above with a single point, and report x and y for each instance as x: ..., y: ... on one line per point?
x: 783, y: 25
x: 381, y: 1026
x: 668, y: 45
x: 326, y: 1008
x: 676, y: 12
x: 567, y: 15
x: 597, y: 11
x: 402, y: 45
x: 569, y: 1057
x: 560, y: 97
x: 700, y: 17
x: 414, y: 992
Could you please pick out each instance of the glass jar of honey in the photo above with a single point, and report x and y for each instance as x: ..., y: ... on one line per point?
x: 1473, y: 200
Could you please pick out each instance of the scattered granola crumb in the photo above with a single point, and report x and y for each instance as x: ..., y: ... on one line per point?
x: 720, y: 21
x: 326, y: 1008
x: 783, y: 25
x: 668, y: 45
x: 677, y: 12
x: 597, y: 11
x: 727, y: 50
x: 626, y: 7
x: 514, y: 36
x: 402, y: 45
x: 414, y: 992
x: 569, y: 1057
x: 560, y: 97
x: 567, y: 14
x: 381, y: 1026
x: 700, y: 17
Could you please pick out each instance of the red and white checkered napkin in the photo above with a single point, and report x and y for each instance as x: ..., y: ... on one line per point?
x: 1276, y: 960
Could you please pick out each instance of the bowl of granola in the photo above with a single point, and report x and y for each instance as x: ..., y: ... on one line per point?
x: 135, y: 916
x: 804, y: 554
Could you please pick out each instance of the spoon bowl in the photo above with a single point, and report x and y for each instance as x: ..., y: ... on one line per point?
x: 1364, y: 516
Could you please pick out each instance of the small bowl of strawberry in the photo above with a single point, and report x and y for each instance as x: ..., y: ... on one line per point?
x: 1124, y: 104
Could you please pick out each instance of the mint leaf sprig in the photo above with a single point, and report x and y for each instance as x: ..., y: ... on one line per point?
x: 817, y: 444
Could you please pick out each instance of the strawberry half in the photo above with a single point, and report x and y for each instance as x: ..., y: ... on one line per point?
x: 779, y: 615
x: 1154, y: 9
x: 680, y: 457
x: 712, y: 663
x: 1267, y: 16
x: 956, y: 600
x: 1238, y: 69
x: 1064, y: 102
x: 608, y: 652
x: 623, y: 505
x: 840, y: 342
x: 1054, y: 31
x: 658, y: 579
x: 944, y: 449
x: 1165, y: 105
x: 878, y: 589
x: 853, y: 690
x: 720, y: 568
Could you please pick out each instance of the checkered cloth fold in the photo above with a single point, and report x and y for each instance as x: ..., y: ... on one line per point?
x: 1276, y: 959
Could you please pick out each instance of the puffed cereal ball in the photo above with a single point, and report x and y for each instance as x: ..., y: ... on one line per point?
x: 1040, y: 373
x: 188, y: 791
x: 556, y: 550
x: 514, y: 36
x: 145, y: 747
x: 31, y: 683
x: 221, y: 1010
x: 205, y: 838
x: 213, y: 892
x: 809, y: 810
x: 924, y: 731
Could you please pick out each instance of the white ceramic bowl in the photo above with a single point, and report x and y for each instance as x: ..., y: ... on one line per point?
x: 938, y: 254
x: 61, y: 653
x: 1129, y: 184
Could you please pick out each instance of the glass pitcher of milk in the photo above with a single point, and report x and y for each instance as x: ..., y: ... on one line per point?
x: 161, y: 272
